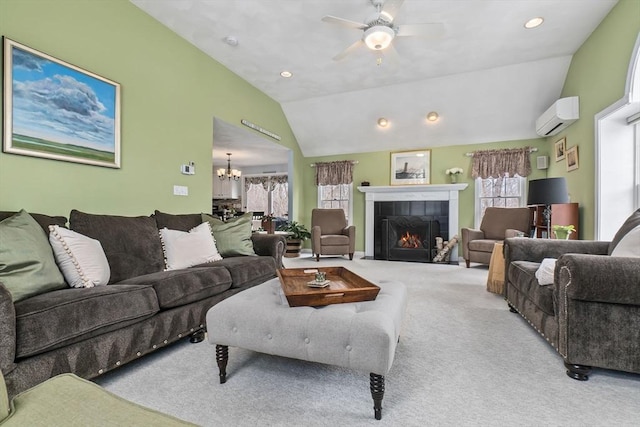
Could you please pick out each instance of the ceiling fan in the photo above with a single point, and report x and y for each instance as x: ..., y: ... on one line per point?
x: 379, y: 29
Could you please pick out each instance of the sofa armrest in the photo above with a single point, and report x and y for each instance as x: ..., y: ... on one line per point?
x: 7, y: 331
x: 535, y: 250
x: 270, y: 245
x: 316, y: 246
x: 599, y: 278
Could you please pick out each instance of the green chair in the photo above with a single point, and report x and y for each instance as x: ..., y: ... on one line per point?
x: 68, y: 400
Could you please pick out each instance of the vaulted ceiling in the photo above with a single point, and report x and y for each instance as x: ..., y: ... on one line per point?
x: 487, y: 76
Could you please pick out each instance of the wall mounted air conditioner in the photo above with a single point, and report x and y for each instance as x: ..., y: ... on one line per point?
x: 559, y: 116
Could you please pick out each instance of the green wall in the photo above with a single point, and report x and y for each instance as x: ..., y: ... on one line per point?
x: 171, y: 92
x: 376, y: 168
x: 598, y: 76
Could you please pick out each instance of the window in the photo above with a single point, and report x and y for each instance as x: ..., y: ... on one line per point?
x: 336, y: 197
x: 505, y: 192
x: 268, y: 194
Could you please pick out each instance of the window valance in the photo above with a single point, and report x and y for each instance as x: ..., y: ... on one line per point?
x: 334, y: 173
x: 497, y: 163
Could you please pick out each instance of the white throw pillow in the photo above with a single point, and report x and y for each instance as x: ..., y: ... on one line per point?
x: 80, y: 258
x: 629, y: 246
x: 182, y: 249
x: 544, y: 274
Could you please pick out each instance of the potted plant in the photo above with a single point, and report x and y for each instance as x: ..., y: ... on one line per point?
x: 563, y: 232
x: 297, y: 233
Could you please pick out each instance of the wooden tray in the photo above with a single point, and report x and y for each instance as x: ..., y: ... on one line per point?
x: 345, y: 286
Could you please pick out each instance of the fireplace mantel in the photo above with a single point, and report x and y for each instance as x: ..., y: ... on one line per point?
x: 392, y: 193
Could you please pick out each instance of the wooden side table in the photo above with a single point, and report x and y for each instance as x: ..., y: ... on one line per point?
x: 495, y: 281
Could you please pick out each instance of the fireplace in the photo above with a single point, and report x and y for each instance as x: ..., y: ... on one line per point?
x: 424, y: 211
x: 406, y: 238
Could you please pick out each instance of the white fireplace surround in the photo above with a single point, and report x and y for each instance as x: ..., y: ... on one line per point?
x: 404, y: 193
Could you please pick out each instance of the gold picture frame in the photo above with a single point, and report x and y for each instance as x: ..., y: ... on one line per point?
x: 560, y: 149
x: 411, y: 167
x: 79, y: 119
x: 572, y: 158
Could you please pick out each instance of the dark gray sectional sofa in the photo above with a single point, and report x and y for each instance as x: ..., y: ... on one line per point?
x: 591, y: 312
x: 89, y: 331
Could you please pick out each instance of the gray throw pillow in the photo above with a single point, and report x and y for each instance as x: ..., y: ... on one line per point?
x: 27, y: 265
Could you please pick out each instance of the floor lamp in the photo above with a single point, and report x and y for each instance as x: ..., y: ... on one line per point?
x: 547, y: 191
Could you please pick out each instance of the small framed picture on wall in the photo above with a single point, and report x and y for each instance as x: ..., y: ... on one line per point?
x: 572, y: 158
x: 561, y: 147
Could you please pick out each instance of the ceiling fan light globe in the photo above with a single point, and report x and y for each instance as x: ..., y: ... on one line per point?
x: 378, y: 37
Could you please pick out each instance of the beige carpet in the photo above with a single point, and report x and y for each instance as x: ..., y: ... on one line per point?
x: 463, y: 360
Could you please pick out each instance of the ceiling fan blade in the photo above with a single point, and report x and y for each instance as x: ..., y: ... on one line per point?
x: 435, y: 30
x: 348, y: 50
x: 344, y: 22
x: 391, y: 7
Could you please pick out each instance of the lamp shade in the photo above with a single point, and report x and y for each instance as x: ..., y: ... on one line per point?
x: 547, y: 191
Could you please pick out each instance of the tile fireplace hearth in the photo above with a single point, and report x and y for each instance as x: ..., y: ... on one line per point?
x: 401, y: 222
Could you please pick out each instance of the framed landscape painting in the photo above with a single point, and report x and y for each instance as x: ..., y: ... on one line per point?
x: 411, y: 167
x: 55, y: 110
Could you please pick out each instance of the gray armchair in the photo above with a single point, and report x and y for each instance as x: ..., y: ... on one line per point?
x: 497, y: 224
x: 591, y: 312
x: 330, y: 233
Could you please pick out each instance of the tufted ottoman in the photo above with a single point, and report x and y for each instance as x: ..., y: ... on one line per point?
x: 360, y: 335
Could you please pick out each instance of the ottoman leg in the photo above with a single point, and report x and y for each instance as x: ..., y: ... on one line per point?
x: 377, y: 392
x: 222, y: 355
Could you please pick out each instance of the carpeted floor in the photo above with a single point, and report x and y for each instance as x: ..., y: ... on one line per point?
x: 463, y: 360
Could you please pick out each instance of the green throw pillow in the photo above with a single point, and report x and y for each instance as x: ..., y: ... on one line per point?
x: 233, y: 237
x: 27, y: 265
x: 4, y: 399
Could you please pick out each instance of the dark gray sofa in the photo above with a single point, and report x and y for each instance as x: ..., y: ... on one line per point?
x: 89, y: 331
x: 591, y: 312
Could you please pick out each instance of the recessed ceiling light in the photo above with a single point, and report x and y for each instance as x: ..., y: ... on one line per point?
x: 432, y: 116
x: 231, y: 41
x: 534, y: 22
x: 382, y: 122
x: 286, y: 74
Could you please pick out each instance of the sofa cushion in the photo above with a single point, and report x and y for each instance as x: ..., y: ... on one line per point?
x: 629, y: 245
x: 522, y: 276
x: 482, y: 245
x: 184, y: 249
x: 182, y: 222
x: 632, y: 222
x: 27, y: 265
x: 132, y: 244
x: 62, y: 317
x: 179, y: 287
x: 80, y: 258
x: 233, y: 237
x: 249, y: 271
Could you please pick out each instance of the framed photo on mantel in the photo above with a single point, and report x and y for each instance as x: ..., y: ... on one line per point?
x: 411, y: 167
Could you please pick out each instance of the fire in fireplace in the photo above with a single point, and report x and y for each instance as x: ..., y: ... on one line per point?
x: 408, y: 240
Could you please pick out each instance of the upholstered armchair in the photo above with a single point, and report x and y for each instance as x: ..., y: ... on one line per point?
x: 497, y: 224
x: 330, y: 233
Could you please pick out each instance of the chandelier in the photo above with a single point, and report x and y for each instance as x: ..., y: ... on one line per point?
x: 229, y: 173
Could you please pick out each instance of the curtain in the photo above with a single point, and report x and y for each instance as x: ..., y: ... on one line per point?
x: 496, y: 163
x: 258, y: 180
x: 334, y: 173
